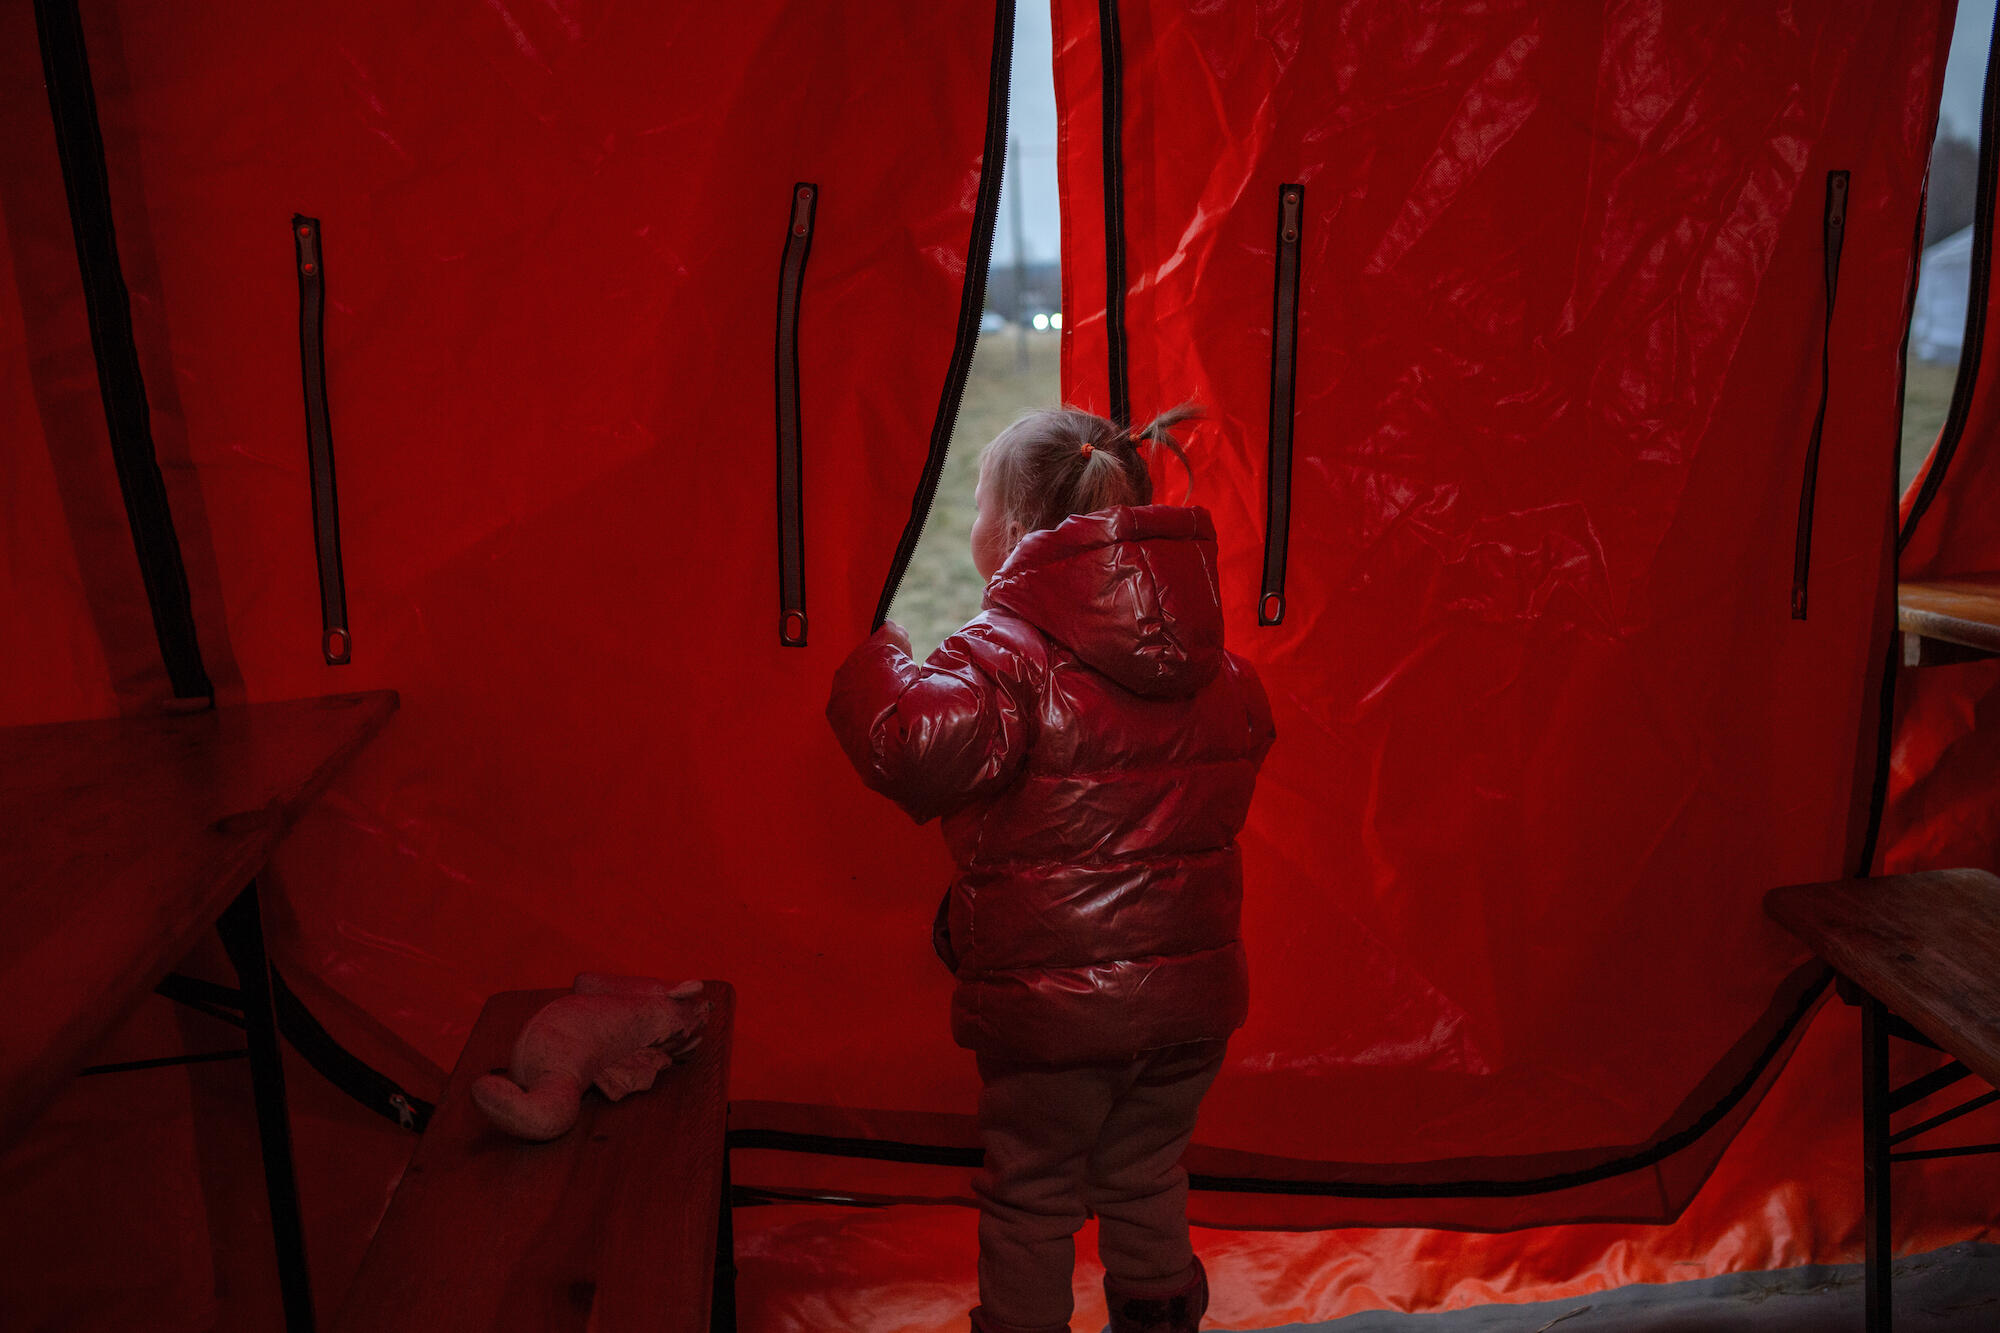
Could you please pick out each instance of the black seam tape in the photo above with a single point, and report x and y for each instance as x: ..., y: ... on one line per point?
x: 1811, y: 980
x: 1112, y: 57
x: 108, y: 304
x: 971, y: 302
x: 1284, y: 365
x: 1833, y: 228
x: 791, y: 502
x: 336, y: 642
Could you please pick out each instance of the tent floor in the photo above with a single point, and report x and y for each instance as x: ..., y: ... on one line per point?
x: 1952, y: 1290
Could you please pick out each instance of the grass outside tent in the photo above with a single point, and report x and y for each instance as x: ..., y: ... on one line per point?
x: 1926, y: 399
x: 942, y: 589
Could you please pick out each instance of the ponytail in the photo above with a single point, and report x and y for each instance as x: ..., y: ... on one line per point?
x: 1053, y: 463
x: 1160, y: 431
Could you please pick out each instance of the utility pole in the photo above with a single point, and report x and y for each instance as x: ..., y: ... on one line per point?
x: 1011, y: 186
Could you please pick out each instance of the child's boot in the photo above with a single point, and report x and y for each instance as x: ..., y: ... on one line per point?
x: 1176, y: 1311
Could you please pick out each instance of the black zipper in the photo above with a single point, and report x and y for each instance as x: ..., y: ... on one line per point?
x: 340, y: 1066
x: 804, y: 201
x: 1111, y: 57
x: 1833, y: 229
x: 1972, y: 346
x: 1284, y: 365
x: 335, y: 642
x: 971, y: 303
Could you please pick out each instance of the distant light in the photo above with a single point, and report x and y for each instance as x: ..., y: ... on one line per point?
x: 1055, y: 320
x: 1041, y: 320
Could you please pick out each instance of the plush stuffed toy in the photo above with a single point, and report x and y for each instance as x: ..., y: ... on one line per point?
x: 615, y: 1032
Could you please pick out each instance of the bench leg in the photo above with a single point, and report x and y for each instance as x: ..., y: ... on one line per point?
x: 722, y: 1305
x: 242, y: 930
x: 1875, y: 1162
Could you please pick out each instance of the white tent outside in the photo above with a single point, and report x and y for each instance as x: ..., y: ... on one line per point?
x: 1937, y: 328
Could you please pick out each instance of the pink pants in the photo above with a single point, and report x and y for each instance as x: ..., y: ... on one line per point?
x: 1061, y: 1140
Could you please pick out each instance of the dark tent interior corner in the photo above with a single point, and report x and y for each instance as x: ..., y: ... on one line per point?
x: 446, y: 450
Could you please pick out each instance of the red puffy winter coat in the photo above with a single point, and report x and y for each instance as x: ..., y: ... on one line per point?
x: 1092, y: 750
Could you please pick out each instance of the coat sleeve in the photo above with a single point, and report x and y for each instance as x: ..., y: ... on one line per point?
x: 933, y: 736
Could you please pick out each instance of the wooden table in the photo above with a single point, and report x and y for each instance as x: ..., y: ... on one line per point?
x: 620, y: 1224
x: 1949, y: 620
x: 121, y: 843
x: 1923, y: 952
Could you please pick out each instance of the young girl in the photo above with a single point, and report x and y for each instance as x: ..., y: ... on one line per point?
x: 1091, y: 750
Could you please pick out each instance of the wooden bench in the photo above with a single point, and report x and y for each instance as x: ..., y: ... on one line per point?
x: 623, y: 1223
x: 1949, y: 620
x: 1921, y: 953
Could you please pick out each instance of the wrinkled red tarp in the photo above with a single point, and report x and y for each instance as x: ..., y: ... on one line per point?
x: 1548, y: 728
x: 1561, y: 315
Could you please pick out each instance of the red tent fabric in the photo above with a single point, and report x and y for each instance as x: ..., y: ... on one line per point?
x: 1548, y: 726
x: 1562, y: 302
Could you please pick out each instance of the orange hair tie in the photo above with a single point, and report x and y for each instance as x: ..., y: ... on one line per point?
x: 1086, y: 449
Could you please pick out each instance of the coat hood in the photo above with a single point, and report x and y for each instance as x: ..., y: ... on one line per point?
x: 1131, y: 590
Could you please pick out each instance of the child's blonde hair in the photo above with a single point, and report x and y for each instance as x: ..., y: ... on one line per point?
x: 1044, y: 474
